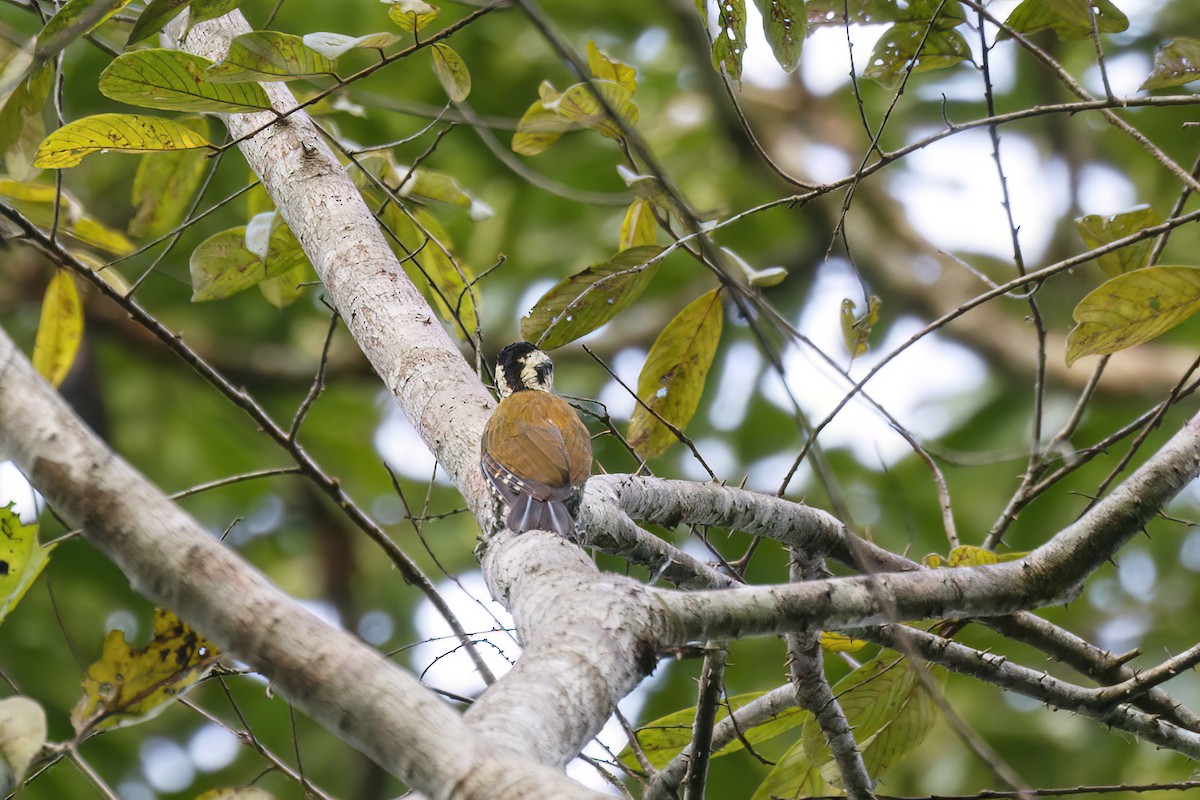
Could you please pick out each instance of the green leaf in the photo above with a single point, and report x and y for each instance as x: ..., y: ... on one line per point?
x: 663, y: 739
x: 579, y: 105
x: 729, y: 42
x: 122, y: 133
x: 1133, y: 308
x: 451, y: 72
x: 155, y: 16
x: 60, y: 329
x: 1069, y: 19
x: 639, y: 228
x: 1176, y: 63
x: 1098, y: 231
x: 22, y: 735
x: 172, y: 80
x: 429, y: 266
x: 283, y: 290
x: 412, y: 15
x: 22, y: 558
x: 333, y: 45
x: 75, y: 19
x: 540, y: 126
x: 889, y: 713
x: 586, y: 300
x: 604, y: 68
x: 21, y: 124
x: 784, y: 23
x: 236, y: 259
x: 672, y: 379
x: 269, y: 56
x: 896, y: 53
x: 126, y: 686
x: 204, y: 10
x: 165, y: 184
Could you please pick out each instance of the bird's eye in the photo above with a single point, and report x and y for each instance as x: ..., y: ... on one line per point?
x: 544, y: 370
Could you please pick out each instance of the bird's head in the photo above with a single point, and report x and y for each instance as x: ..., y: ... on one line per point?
x: 522, y: 366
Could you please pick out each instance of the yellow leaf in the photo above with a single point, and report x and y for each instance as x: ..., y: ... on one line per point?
x: 121, y: 133
x: 60, y: 329
x: 672, y: 379
x: 128, y: 686
x: 412, y: 15
x: 607, y: 69
x: 840, y: 643
x: 451, y: 72
x: 857, y: 330
x: 639, y: 227
x: 22, y: 734
x: 540, y: 126
x: 580, y: 105
x: 22, y: 559
x: 1133, y: 308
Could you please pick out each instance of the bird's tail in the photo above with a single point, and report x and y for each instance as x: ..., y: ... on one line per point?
x: 530, y: 514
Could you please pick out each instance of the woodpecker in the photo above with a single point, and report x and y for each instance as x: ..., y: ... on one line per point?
x: 536, y: 452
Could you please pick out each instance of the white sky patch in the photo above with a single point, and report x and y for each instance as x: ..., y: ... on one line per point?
x: 1104, y: 190
x: 626, y: 364
x: 15, y: 489
x: 739, y: 371
x: 212, y: 748
x: 1126, y: 72
x: 951, y: 191
x: 449, y: 667
x: 715, y: 452
x: 825, y: 61
x: 532, y: 294
x: 1137, y: 573
x: 398, y: 442
x: 166, y: 765
x: 913, y: 387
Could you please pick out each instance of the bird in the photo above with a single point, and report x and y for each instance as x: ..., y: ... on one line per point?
x: 536, y: 452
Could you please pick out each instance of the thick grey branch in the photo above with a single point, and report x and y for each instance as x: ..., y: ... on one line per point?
x: 169, y: 558
x: 1052, y: 573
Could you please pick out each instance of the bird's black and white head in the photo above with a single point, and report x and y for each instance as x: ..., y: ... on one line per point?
x: 522, y: 366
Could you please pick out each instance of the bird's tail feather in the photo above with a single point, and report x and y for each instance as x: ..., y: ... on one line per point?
x: 530, y: 514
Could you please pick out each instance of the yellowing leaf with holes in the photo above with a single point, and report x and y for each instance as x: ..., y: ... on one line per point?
x: 1097, y: 231
x: 1069, y: 19
x: 784, y: 23
x: 1176, y: 63
x: 451, y: 72
x: 640, y: 227
x: 165, y: 185
x: 172, y: 80
x: 421, y: 244
x: 1133, y: 308
x: 729, y: 41
x: 60, y: 329
x: 662, y: 739
x: 580, y: 304
x: 127, y: 686
x: 412, y: 15
x: 914, y: 47
x: 580, y: 105
x: 268, y: 56
x: 604, y: 68
x: 672, y: 379
x: 22, y: 734
x: 22, y: 559
x: 333, y: 45
x: 121, y: 133
x: 155, y: 16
